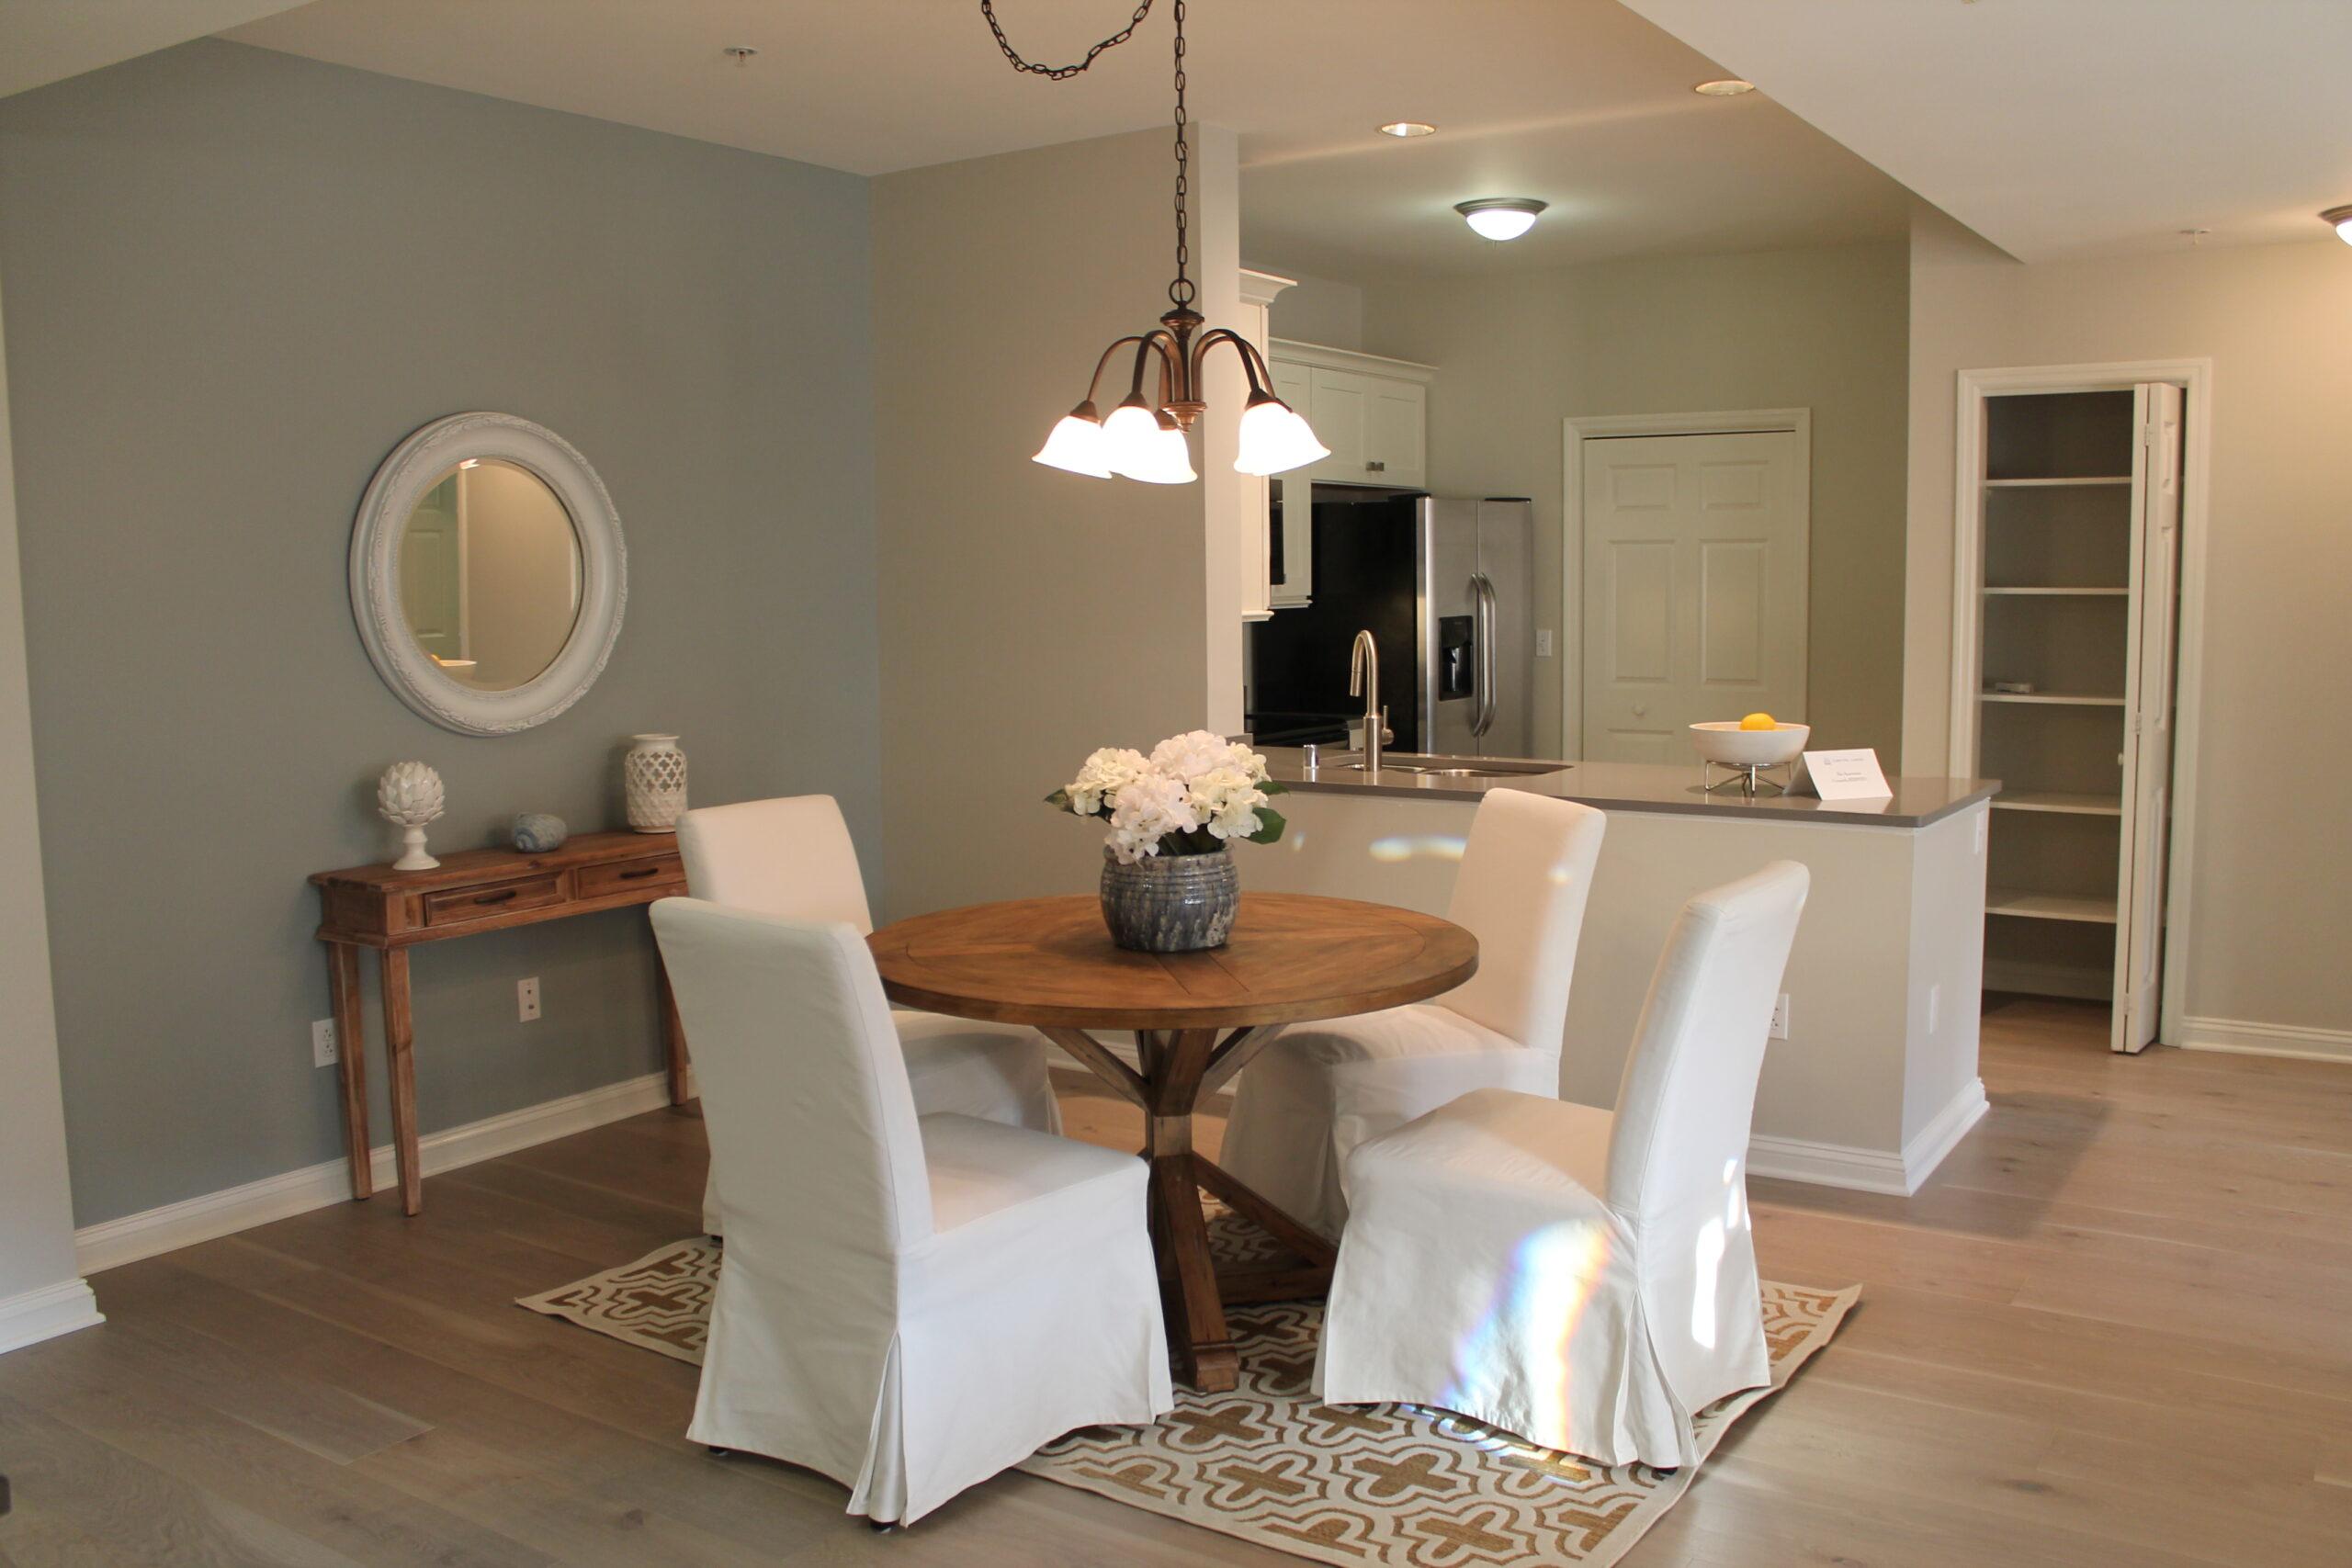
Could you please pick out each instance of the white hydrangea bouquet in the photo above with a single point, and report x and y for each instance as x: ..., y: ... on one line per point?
x: 1195, y: 794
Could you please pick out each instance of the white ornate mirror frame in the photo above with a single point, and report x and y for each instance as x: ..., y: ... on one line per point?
x: 417, y: 464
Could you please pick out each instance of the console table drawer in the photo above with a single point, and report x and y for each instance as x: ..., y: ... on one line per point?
x: 484, y: 900
x: 628, y: 876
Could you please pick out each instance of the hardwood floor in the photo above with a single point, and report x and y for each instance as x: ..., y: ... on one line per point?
x: 2115, y: 1329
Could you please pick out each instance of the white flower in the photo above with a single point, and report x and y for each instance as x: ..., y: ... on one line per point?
x: 1149, y: 809
x: 1228, y: 799
x: 1104, y: 775
x: 1198, y: 752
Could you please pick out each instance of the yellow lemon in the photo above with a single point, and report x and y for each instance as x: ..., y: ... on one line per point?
x: 1760, y: 721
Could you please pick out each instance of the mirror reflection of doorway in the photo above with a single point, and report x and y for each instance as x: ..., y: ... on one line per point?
x: 433, y: 573
x: 1694, y: 594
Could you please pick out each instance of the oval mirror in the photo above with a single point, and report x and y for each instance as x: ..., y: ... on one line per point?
x: 487, y: 573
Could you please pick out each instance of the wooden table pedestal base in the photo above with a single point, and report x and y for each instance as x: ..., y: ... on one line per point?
x: 1181, y: 1067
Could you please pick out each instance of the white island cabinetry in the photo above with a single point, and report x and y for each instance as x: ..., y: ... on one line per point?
x: 1877, y: 1077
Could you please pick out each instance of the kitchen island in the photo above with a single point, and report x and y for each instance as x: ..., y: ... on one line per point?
x: 1876, y: 1077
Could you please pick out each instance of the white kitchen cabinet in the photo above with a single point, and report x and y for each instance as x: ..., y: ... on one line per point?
x: 1372, y: 412
x: 1258, y: 602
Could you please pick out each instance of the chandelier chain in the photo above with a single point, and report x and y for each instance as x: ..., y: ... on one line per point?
x: 1180, y: 291
x: 1061, y: 73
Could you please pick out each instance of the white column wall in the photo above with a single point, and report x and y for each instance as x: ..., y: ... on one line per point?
x: 41, y: 1291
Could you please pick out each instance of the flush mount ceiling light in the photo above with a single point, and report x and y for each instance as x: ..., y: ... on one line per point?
x: 1724, y: 88
x: 2340, y: 220
x: 1407, y: 128
x: 1143, y: 438
x: 1500, y: 216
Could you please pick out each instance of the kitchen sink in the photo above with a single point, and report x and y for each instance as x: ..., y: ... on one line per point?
x: 1453, y: 767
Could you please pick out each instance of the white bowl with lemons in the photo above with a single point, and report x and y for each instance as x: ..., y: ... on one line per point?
x: 1759, y: 740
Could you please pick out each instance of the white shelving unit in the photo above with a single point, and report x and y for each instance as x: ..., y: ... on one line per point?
x: 2070, y: 508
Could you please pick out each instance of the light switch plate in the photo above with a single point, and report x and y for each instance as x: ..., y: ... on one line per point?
x: 325, y: 1051
x: 1544, y: 642
x: 1781, y: 1017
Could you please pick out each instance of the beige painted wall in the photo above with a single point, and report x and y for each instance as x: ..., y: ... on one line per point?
x: 1029, y: 615
x: 2271, y: 875
x: 1821, y: 329
x: 36, y: 1200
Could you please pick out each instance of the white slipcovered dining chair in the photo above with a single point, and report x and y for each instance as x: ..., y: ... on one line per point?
x: 1312, y: 1096
x: 1584, y: 1279
x: 792, y: 856
x: 907, y: 1304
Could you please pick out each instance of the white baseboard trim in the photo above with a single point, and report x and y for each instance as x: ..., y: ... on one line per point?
x: 112, y: 1242
x: 1871, y: 1170
x: 1925, y: 1149
x: 2248, y: 1038
x: 35, y: 1315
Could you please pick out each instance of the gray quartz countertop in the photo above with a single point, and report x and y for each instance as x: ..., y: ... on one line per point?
x: 1637, y: 786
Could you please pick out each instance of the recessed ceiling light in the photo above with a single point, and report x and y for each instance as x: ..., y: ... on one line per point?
x: 2340, y: 220
x: 1407, y: 127
x: 1500, y: 216
x: 1724, y: 88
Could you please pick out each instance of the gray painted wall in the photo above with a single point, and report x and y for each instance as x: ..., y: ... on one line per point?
x: 234, y: 280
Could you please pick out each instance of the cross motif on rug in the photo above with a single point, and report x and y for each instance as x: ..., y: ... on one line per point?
x: 1410, y: 1474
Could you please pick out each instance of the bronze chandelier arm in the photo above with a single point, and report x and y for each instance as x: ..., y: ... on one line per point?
x: 1170, y: 364
x: 1253, y: 363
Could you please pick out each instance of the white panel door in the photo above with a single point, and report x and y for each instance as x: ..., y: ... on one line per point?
x: 1694, y: 587
x: 2147, y: 705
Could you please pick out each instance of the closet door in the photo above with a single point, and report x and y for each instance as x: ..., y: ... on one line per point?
x: 2148, y: 708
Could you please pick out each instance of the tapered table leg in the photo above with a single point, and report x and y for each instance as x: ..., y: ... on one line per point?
x: 400, y: 1037
x: 351, y: 1062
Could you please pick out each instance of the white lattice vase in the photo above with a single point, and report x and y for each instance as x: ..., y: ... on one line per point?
x: 408, y: 796
x: 654, y: 771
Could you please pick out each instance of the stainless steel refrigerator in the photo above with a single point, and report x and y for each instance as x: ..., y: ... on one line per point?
x: 1446, y: 588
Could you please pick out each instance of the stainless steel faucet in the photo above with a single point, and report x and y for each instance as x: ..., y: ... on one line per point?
x: 1363, y: 680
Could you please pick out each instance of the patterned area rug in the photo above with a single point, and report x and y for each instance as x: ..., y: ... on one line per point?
x: 1365, y: 1486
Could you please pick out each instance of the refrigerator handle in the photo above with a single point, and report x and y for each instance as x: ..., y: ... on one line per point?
x: 1482, y: 598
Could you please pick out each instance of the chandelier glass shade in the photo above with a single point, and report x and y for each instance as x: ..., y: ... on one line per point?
x: 1143, y: 437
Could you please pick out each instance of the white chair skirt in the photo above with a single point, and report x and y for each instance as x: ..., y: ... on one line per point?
x: 1480, y: 1275
x: 1310, y: 1098
x: 1033, y: 1311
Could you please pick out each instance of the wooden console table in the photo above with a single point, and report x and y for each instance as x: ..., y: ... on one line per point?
x: 471, y: 892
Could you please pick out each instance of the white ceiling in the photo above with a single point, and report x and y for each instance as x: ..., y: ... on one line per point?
x: 2066, y: 128
x: 48, y: 40
x: 1577, y: 102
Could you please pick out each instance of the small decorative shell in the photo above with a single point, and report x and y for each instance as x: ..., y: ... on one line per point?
x: 409, y: 795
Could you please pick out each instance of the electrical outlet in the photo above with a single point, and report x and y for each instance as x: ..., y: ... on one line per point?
x: 1781, y: 1017
x: 1935, y: 1007
x: 325, y: 1052
x: 526, y: 998
x: 1544, y: 642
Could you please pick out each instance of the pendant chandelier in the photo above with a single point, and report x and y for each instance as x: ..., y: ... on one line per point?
x: 1143, y: 437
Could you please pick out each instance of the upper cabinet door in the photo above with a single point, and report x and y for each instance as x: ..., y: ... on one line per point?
x: 1395, y: 435
x: 1341, y: 408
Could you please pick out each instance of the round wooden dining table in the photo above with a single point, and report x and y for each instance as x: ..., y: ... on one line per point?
x: 1196, y: 1018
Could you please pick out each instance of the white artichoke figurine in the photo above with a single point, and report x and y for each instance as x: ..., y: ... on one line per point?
x: 408, y: 796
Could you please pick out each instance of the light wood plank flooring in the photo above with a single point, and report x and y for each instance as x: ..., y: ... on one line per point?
x: 2116, y: 1328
